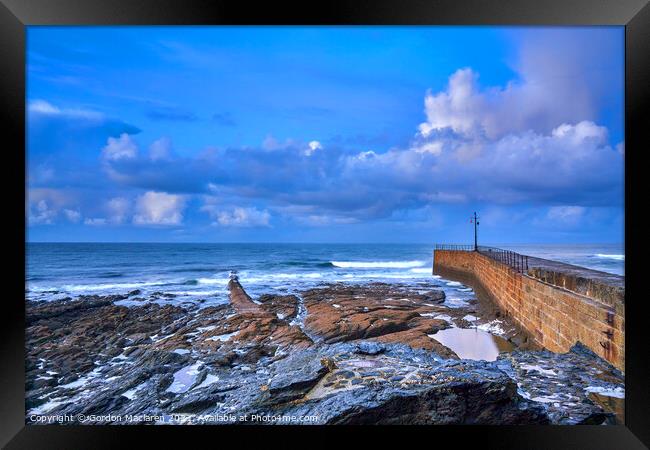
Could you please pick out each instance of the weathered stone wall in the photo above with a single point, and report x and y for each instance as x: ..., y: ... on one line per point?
x: 554, y: 316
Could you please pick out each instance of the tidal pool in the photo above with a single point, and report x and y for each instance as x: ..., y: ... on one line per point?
x: 614, y: 405
x: 472, y: 343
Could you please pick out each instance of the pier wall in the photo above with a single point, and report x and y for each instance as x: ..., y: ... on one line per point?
x: 555, y: 316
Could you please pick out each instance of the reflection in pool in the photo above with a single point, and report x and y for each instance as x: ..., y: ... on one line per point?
x: 611, y: 404
x: 470, y: 343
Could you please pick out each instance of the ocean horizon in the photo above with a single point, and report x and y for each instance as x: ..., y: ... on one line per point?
x: 200, y: 271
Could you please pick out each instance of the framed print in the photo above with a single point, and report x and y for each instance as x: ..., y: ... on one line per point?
x: 402, y: 214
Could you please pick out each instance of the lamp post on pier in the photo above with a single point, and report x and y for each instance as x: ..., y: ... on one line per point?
x: 474, y: 220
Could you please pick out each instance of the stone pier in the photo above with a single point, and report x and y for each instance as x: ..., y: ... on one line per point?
x: 557, y: 304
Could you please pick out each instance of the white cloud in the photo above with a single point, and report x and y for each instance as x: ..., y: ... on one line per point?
x: 95, y: 221
x: 321, y: 220
x: 42, y: 107
x: 312, y: 147
x: 620, y: 147
x: 41, y: 213
x: 160, y: 149
x: 536, y: 101
x: 120, y: 148
x: 460, y: 108
x: 271, y: 143
x: 568, y: 163
x: 118, y: 209
x: 72, y: 215
x: 435, y: 148
x: 159, y: 208
x: 45, y: 108
x: 43, y: 205
x: 243, y: 217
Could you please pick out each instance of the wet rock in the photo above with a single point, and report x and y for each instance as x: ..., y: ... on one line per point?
x: 37, y: 311
x: 284, y: 307
x: 240, y: 300
x: 562, y: 382
x: 294, y: 377
x: 373, y: 362
x: 339, y: 313
x: 370, y: 348
x: 197, y: 402
x: 437, y: 296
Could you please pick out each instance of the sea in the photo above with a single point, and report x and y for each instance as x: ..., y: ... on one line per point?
x: 182, y: 272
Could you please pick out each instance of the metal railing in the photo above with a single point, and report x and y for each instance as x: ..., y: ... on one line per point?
x: 514, y: 260
x: 456, y: 247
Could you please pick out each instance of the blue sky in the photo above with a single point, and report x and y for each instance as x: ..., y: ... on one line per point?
x: 325, y: 134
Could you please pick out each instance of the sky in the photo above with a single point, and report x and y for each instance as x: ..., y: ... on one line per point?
x: 325, y: 134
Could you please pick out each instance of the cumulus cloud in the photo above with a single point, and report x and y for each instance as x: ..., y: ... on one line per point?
x: 159, y: 208
x: 95, y: 221
x: 44, y: 206
x: 41, y: 213
x: 272, y: 143
x: 120, y: 148
x: 72, y: 215
x: 118, y: 209
x: 312, y: 147
x: 571, y: 164
x: 321, y: 220
x: 533, y: 103
x: 242, y: 217
x: 460, y: 107
x: 160, y: 149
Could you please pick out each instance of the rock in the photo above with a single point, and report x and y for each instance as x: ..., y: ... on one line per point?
x: 284, y: 307
x: 294, y: 377
x: 437, y: 296
x: 344, y: 313
x: 561, y: 382
x: 370, y: 348
x: 370, y: 361
x: 240, y: 300
x: 36, y: 311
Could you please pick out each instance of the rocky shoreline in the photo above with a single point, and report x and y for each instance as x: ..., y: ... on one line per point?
x: 336, y: 354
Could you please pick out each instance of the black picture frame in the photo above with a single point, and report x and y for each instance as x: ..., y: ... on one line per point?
x: 15, y: 15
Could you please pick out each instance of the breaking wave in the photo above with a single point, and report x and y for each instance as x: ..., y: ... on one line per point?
x: 378, y: 264
x: 606, y: 256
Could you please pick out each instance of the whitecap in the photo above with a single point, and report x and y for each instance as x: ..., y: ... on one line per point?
x: 378, y: 264
x: 222, y: 281
x: 109, y: 286
x: 607, y: 256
